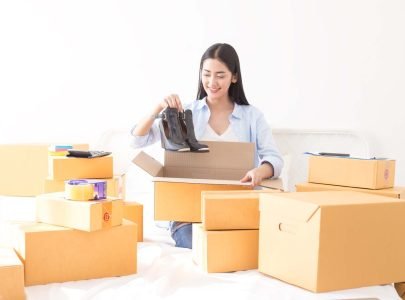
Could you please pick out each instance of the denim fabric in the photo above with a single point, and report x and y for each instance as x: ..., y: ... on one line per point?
x: 182, y: 235
x: 248, y: 123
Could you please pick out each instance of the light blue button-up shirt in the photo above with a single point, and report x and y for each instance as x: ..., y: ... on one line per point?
x: 246, y: 121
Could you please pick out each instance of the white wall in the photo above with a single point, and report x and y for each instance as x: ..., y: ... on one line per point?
x: 71, y: 69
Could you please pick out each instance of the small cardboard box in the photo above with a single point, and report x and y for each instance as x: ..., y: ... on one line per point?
x: 395, y: 192
x: 11, y: 275
x: 333, y: 240
x: 91, y: 215
x: 227, y: 210
x: 178, y: 183
x: 225, y: 250
x: 353, y: 172
x: 133, y: 211
x: 24, y: 168
x: 113, y: 186
x: 65, y: 168
x: 58, y: 254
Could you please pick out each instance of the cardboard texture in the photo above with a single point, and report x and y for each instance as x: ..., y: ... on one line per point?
x: 182, y: 201
x: 400, y: 287
x: 92, y: 215
x: 225, y: 250
x: 361, y: 173
x: 178, y: 183
x: 325, y: 241
x: 58, y: 254
x: 11, y: 275
x: 395, y: 192
x: 133, y: 211
x: 24, y: 168
x: 113, y: 186
x: 64, y: 168
x: 227, y: 210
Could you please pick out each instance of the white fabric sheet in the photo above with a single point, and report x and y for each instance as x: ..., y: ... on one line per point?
x: 166, y: 272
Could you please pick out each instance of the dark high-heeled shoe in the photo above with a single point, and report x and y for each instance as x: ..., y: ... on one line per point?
x: 170, y: 131
x: 187, y: 126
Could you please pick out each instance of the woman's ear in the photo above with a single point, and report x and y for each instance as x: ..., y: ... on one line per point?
x: 234, y: 78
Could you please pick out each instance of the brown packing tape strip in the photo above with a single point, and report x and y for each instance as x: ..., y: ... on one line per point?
x: 107, y: 214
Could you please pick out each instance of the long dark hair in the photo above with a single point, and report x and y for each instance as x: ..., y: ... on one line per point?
x: 227, y: 55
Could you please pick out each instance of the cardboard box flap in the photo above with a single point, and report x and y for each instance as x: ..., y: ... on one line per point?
x: 275, y: 184
x: 222, y: 155
x: 199, y: 181
x: 287, y: 208
x: 148, y: 164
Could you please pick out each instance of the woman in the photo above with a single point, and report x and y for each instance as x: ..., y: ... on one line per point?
x: 220, y: 113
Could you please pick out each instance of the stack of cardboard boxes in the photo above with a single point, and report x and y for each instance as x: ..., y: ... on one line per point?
x: 72, y: 240
x: 374, y: 176
x: 228, y: 238
x: 332, y: 240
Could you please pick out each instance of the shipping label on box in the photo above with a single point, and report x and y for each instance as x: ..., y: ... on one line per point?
x: 59, y: 254
x: 11, y: 275
x: 220, y: 251
x: 227, y: 210
x: 93, y: 215
x: 325, y: 241
x: 395, y: 192
x: 133, y: 211
x: 353, y: 172
x: 65, y: 168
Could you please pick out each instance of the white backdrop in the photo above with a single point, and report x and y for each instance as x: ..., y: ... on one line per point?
x: 71, y: 69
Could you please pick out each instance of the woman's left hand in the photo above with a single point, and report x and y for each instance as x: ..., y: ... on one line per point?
x: 256, y: 175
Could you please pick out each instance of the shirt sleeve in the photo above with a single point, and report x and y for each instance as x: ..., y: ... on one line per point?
x: 150, y: 138
x: 266, y: 147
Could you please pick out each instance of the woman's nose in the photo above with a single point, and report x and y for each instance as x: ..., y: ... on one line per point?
x: 212, y: 81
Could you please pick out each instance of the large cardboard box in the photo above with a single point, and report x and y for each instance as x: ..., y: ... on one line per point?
x: 395, y: 192
x: 227, y: 210
x: 113, y: 186
x: 133, y: 211
x: 64, y: 168
x: 90, y: 215
x: 58, y: 254
x: 11, y: 275
x: 353, y: 172
x: 178, y: 183
x: 325, y: 241
x: 24, y: 168
x: 225, y: 250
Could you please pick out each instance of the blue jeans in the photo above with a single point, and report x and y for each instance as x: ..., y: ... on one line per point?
x: 183, y: 235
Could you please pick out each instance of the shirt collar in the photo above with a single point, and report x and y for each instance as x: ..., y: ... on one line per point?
x: 237, y: 110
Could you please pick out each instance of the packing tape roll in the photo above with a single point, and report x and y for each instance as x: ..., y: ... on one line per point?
x: 86, y: 189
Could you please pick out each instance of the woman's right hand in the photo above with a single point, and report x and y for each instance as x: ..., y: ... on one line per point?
x: 172, y: 100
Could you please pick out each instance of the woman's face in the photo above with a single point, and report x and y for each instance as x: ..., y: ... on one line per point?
x: 216, y: 79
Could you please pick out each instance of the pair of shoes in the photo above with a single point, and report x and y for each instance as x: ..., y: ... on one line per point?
x: 177, y: 131
x: 186, y: 122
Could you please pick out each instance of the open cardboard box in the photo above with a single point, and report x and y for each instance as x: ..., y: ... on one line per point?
x: 178, y: 183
